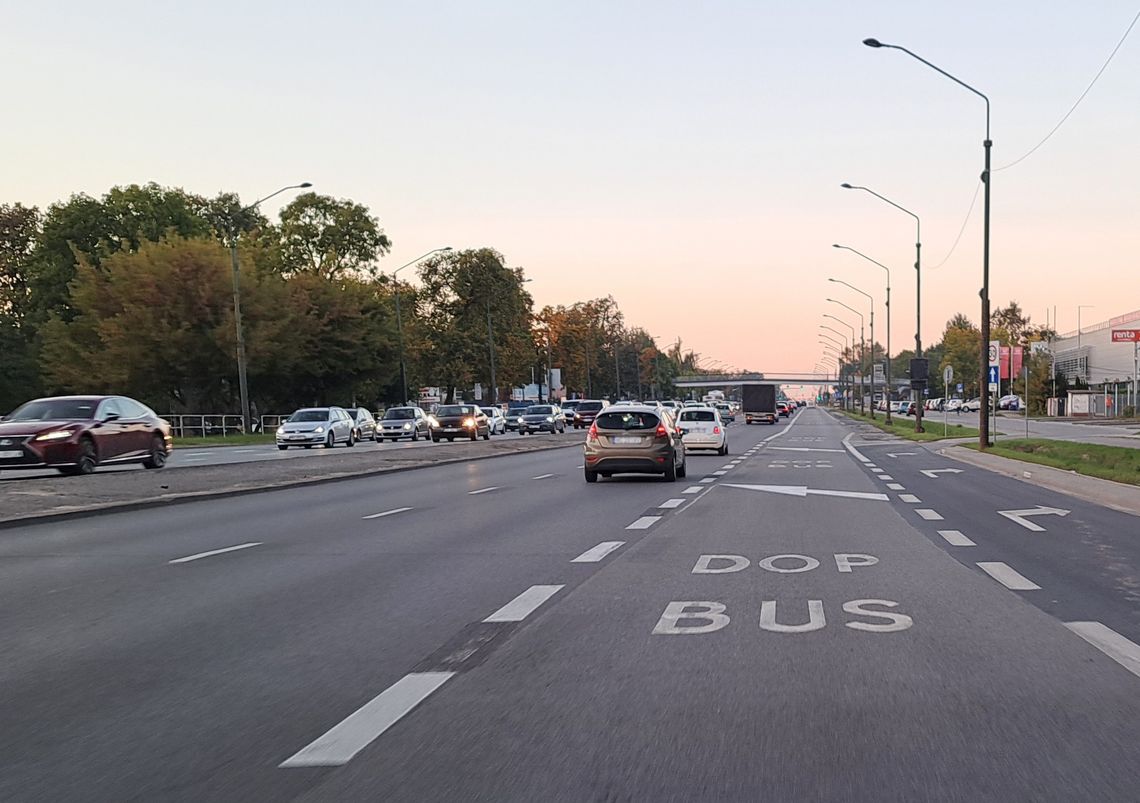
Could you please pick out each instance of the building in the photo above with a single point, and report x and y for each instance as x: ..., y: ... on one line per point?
x: 1091, y: 356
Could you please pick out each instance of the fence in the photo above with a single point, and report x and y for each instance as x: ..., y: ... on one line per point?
x: 203, y: 426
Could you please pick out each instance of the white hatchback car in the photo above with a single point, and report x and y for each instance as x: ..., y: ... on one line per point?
x: 703, y: 429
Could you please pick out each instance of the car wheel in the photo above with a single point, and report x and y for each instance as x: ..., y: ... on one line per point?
x: 308, y: 446
x: 281, y: 448
x: 87, y: 460
x: 157, y: 456
x: 330, y: 441
x: 415, y: 435
x: 591, y: 476
x: 351, y: 440
x: 487, y: 434
x: 684, y: 468
x: 451, y: 439
x: 671, y: 469
x: 434, y: 439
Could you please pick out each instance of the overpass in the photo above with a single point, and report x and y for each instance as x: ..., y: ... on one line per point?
x: 824, y: 380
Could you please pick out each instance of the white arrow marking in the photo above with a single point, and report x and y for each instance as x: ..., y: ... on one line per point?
x: 800, y: 490
x: 1018, y: 516
x: 934, y: 472
x: 901, y: 454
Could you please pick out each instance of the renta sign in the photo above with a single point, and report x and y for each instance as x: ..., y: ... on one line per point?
x: 1125, y: 335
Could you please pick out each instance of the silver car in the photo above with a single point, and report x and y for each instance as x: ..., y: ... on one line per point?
x: 497, y: 420
x: 366, y: 429
x: 405, y: 422
x: 317, y: 426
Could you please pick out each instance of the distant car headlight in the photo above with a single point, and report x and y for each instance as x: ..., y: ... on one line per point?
x: 433, y: 421
x: 55, y: 435
x: 468, y: 422
x: 521, y: 421
x: 408, y: 425
x: 550, y: 418
x: 281, y: 430
x: 319, y: 430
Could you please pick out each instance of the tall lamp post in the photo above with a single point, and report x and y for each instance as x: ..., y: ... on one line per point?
x: 872, y: 302
x: 917, y: 290
x: 243, y: 384
x: 862, y: 348
x: 400, y: 321
x: 839, y: 356
x: 830, y: 353
x: 987, y: 145
x: 852, y: 328
x: 890, y: 387
x: 828, y: 363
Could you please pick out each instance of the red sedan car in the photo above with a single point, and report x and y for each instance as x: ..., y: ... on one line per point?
x: 74, y: 434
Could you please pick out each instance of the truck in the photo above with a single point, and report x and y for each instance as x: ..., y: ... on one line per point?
x: 759, y: 404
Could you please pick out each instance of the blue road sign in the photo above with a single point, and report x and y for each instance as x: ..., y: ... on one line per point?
x: 959, y: 387
x: 993, y: 374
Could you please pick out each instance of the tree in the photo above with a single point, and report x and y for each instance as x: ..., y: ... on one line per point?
x: 19, y: 374
x: 330, y: 237
x: 961, y: 351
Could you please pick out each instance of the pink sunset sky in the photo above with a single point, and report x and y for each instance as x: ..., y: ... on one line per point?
x: 685, y: 158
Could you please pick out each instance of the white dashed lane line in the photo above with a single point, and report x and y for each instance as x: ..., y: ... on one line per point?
x: 542, y: 477
x: 928, y: 514
x: 213, y: 552
x: 1111, y: 643
x: 894, y: 486
x: 719, y: 473
x: 524, y: 604
x: 955, y: 538
x: 708, y: 479
x: 596, y: 553
x: 483, y: 490
x: 1007, y: 576
x: 910, y: 499
x: 669, y: 504
x: 885, y: 477
x: 643, y: 523
x: 391, y: 512
x: 692, y: 489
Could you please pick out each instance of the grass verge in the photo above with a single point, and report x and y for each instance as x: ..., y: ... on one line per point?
x: 1118, y: 463
x: 227, y: 440
x: 903, y: 426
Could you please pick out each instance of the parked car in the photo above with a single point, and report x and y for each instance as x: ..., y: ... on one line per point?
x: 541, y: 418
x: 317, y: 426
x: 634, y: 439
x: 366, y: 429
x: 972, y: 405
x: 405, y: 422
x: 1010, y: 402
x: 76, y: 434
x: 587, y: 411
x: 453, y: 421
x: 908, y: 408
x: 701, y: 428
x: 496, y: 420
x: 726, y: 413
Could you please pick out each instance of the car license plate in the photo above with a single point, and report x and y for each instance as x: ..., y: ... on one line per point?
x: 623, y: 440
x: 10, y: 455
x: 298, y: 437
x: 451, y: 429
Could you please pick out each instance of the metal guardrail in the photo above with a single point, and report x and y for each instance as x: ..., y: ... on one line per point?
x: 204, y: 426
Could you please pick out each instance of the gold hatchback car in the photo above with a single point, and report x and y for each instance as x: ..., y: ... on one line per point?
x: 634, y: 439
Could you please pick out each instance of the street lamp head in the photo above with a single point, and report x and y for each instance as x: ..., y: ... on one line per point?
x: 872, y: 43
x: 447, y: 248
x: 846, y: 186
x: 304, y: 185
x: 832, y: 280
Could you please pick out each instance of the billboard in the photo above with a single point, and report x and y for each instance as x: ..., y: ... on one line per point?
x: 1126, y: 335
x: 1005, y: 361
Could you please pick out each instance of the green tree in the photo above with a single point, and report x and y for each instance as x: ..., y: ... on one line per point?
x: 330, y: 237
x: 961, y: 350
x: 19, y: 372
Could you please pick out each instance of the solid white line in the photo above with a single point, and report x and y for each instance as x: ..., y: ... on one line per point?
x: 542, y: 477
x: 955, y: 538
x: 928, y: 514
x: 391, y: 512
x: 692, y: 489
x: 1111, y: 643
x: 1007, y: 576
x: 847, y: 445
x: 803, y: 449
x: 644, y: 523
x: 213, y: 552
x: 483, y: 490
x: 911, y: 498
x: 524, y: 604
x: 669, y: 504
x: 596, y: 553
x: 339, y: 745
x: 894, y: 486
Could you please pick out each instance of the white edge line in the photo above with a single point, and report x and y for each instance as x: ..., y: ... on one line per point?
x: 337, y: 746
x: 596, y: 553
x: 391, y: 512
x: 213, y: 552
x: 1115, y: 646
x: 524, y: 604
x: 1007, y: 576
x: 847, y: 445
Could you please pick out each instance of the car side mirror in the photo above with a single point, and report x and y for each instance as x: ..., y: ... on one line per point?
x: 109, y: 417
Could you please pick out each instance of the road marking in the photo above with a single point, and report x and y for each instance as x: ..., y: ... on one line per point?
x: 213, y: 552
x: 873, y: 467
x: 596, y: 553
x: 855, y: 452
x: 542, y: 477
x: 483, y: 490
x: 1007, y: 576
x: 246, y: 451
x: 911, y: 498
x: 196, y: 454
x: 877, y: 470
x: 803, y: 449
x: 644, y: 523
x: 901, y: 454
x: 885, y: 477
x: 726, y: 468
x: 1018, y: 516
x: 955, y: 538
x: 1111, y: 643
x: 692, y: 489
x: 669, y: 504
x: 391, y: 512
x: 581, y: 466
x: 524, y: 604
x: 800, y: 490
x: 928, y: 514
x: 934, y: 472
x: 719, y: 473
x: 339, y: 745
x: 894, y: 486
x: 708, y: 479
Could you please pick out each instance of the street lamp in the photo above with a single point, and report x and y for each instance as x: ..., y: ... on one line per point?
x: 888, y: 305
x: 830, y: 353
x: 243, y: 384
x: 871, y: 300
x: 845, y: 346
x: 1079, y: 308
x: 852, y: 341
x: 862, y: 345
x: 400, y: 322
x: 917, y: 287
x: 987, y: 145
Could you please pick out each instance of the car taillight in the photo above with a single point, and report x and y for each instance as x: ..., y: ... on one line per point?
x: 661, y: 431
x: 592, y: 435
x: 716, y: 430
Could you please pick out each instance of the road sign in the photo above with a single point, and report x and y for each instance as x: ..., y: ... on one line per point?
x: 879, y: 374
x: 959, y: 387
x: 1125, y: 335
x: 947, y: 374
x: 993, y: 376
x: 995, y: 354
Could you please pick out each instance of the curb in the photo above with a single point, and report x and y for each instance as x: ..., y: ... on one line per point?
x: 197, y: 496
x: 1106, y: 493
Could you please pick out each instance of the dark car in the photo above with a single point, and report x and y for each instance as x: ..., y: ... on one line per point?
x: 586, y: 411
x: 75, y: 434
x: 513, y: 411
x: 541, y: 418
x: 366, y: 428
x: 453, y: 421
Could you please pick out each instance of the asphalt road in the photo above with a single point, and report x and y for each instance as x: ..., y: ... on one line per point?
x: 501, y: 630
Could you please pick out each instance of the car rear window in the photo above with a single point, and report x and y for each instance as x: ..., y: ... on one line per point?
x: 626, y: 420
x: 698, y: 415
x: 588, y: 407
